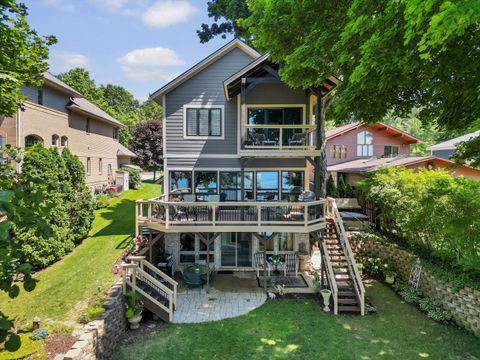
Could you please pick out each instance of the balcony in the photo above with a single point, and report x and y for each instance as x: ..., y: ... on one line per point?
x: 248, y: 216
x: 279, y: 140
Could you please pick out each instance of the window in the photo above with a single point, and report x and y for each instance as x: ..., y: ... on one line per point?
x: 281, y: 243
x: 115, y: 133
x: 231, y: 185
x: 364, y: 144
x: 267, y: 185
x: 292, y: 184
x: 40, y: 97
x: 100, y: 166
x: 187, y: 248
x: 55, y: 140
x: 205, y: 183
x: 391, y: 150
x: 87, y: 126
x: 89, y: 166
x: 1, y: 140
x: 285, y: 242
x: 204, y: 122
x: 64, y: 141
x: 31, y: 140
x: 338, y: 152
x: 181, y: 181
x: 275, y: 116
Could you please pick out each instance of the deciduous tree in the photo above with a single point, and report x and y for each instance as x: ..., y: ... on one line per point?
x: 147, y: 144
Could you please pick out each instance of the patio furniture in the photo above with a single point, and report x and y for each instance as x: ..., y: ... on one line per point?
x: 277, y: 262
x: 261, y: 139
x: 291, y: 264
x: 192, y: 275
x: 297, y: 139
x: 259, y: 256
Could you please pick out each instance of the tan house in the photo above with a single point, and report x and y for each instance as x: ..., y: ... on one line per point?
x: 58, y: 116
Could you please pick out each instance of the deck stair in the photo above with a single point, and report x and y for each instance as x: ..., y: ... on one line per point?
x: 157, y: 290
x: 341, y: 269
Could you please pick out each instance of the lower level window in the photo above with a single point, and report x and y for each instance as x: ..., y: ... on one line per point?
x: 192, y: 249
x: 292, y: 184
x: 231, y: 185
x: 267, y: 185
x: 391, y: 150
x: 181, y: 181
x: 206, y: 183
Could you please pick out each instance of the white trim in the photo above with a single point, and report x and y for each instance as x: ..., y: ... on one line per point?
x: 433, y: 148
x: 239, y: 125
x: 236, y: 43
x: 164, y: 125
x: 202, y: 156
x: 205, y: 106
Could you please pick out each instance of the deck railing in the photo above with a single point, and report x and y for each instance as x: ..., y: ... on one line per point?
x: 279, y: 137
x: 217, y: 214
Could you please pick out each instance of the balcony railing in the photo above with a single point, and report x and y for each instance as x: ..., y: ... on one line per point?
x: 279, y: 137
x: 218, y: 215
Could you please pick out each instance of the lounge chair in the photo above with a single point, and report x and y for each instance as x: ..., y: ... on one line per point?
x: 297, y: 139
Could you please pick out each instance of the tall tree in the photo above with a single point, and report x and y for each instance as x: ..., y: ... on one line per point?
x: 225, y: 14
x: 80, y: 80
x: 147, y: 144
x: 23, y: 57
x: 120, y: 99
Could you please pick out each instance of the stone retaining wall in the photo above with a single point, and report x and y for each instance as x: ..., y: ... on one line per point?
x: 463, y: 304
x: 100, y: 337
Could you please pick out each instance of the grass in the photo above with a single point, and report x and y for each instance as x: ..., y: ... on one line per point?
x: 64, y: 288
x: 29, y: 347
x: 298, y: 329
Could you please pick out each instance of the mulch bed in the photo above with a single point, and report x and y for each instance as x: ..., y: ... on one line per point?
x: 58, y: 344
x: 146, y: 327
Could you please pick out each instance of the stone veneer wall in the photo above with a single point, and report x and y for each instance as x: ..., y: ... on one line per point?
x: 463, y: 304
x: 100, y: 337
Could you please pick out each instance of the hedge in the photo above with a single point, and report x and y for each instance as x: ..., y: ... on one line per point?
x: 433, y: 212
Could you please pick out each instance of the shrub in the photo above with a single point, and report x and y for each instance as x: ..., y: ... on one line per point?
x: 331, y: 187
x: 95, y: 309
x: 344, y: 190
x: 39, y: 334
x: 101, y: 201
x: 436, y: 214
x: 134, y: 178
x: 434, y: 310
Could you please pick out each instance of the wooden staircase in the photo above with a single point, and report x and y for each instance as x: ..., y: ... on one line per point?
x: 157, y: 290
x: 339, y: 266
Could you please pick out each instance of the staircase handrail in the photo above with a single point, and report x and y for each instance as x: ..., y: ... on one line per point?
x: 330, y: 276
x: 351, y: 263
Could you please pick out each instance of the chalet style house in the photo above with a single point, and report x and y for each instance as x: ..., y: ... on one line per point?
x: 238, y: 154
x: 59, y: 116
x: 354, y: 149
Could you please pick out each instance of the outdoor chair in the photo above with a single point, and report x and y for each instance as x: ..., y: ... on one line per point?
x: 316, y: 260
x: 259, y: 263
x: 291, y: 264
x: 297, y: 139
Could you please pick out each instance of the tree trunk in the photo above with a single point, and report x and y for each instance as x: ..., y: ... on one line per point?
x: 320, y: 171
x: 154, y: 174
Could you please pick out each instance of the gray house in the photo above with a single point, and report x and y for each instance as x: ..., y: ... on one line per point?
x: 447, y: 148
x: 238, y: 154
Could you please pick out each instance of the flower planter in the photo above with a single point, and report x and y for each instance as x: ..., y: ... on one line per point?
x: 135, y: 321
x: 390, y: 279
x: 326, y: 299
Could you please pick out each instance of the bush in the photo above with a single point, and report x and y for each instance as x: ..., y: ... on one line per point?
x: 331, y: 187
x: 435, y: 310
x: 134, y: 177
x: 95, y: 309
x: 39, y: 334
x: 101, y: 201
x: 436, y: 214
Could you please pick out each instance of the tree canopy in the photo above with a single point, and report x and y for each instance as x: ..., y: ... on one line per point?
x: 23, y: 57
x: 147, y: 144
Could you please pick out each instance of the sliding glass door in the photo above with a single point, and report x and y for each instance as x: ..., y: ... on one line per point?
x: 236, y: 250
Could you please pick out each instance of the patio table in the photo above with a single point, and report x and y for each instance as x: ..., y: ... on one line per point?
x: 275, y: 263
x: 195, y: 274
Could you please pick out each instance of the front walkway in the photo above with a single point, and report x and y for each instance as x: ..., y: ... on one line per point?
x: 198, y: 306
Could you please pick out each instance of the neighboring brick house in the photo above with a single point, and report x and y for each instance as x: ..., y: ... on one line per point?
x: 57, y: 115
x: 355, y: 149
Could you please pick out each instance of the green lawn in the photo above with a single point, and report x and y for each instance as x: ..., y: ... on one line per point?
x: 65, y: 286
x: 297, y: 329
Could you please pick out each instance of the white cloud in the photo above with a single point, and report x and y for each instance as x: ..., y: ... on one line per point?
x: 168, y: 12
x: 65, y: 60
x: 61, y: 4
x: 110, y: 5
x: 149, y: 63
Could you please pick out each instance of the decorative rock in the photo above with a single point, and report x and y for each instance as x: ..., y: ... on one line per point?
x: 73, y: 354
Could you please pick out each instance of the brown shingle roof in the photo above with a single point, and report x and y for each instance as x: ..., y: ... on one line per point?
x: 59, y: 84
x: 379, y: 125
x: 83, y: 105
x: 364, y: 165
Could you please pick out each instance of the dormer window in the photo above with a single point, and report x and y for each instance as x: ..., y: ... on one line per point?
x: 364, y: 144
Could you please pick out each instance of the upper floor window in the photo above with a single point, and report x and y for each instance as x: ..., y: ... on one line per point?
x: 338, y: 151
x: 87, y: 126
x: 204, y: 122
x: 31, y: 140
x: 391, y: 150
x: 275, y: 116
x: 40, y: 97
x: 55, y: 140
x: 89, y: 166
x: 115, y: 133
x: 64, y: 141
x: 1, y: 140
x: 100, y: 166
x: 364, y: 144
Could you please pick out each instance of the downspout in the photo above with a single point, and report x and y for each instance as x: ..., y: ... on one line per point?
x: 17, y: 134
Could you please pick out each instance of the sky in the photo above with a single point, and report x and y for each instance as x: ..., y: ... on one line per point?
x: 137, y: 44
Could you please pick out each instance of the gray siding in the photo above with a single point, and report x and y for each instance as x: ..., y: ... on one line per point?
x: 446, y: 154
x: 205, y: 88
x: 52, y: 98
x: 234, y: 163
x: 30, y: 92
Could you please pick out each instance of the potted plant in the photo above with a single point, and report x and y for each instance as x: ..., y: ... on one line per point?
x: 390, y: 276
x: 134, y: 309
x: 326, y: 293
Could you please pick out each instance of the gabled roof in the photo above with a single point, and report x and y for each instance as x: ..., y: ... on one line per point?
x: 364, y: 165
x: 53, y: 81
x: 338, y: 131
x: 235, y: 43
x: 84, y: 106
x: 452, y: 143
x: 123, y: 151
